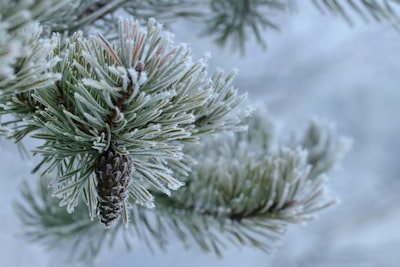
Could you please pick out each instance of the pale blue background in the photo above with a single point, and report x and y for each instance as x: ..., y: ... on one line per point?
x: 317, y: 66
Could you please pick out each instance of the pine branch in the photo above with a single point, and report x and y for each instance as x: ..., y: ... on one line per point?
x: 324, y: 146
x: 31, y: 71
x: 48, y: 223
x: 119, y: 121
x: 25, y: 60
x: 240, y: 193
x: 228, y: 20
x: 78, y: 15
x: 367, y: 10
x: 18, y: 33
x: 234, y: 21
x: 141, y: 97
x: 84, y: 14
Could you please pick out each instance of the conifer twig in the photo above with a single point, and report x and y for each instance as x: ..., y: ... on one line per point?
x: 242, y: 192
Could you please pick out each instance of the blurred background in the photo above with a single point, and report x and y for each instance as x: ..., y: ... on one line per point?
x: 317, y: 66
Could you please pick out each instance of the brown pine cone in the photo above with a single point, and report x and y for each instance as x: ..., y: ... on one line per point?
x: 113, y: 173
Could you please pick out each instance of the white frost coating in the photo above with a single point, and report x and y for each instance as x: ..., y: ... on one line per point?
x: 100, y: 143
x: 108, y: 100
x: 175, y: 184
x: 153, y: 122
x: 142, y: 77
x: 139, y: 77
x: 133, y: 73
x: 169, y: 37
x: 147, y: 204
x: 89, y: 57
x: 120, y: 72
x: 93, y: 83
x: 120, y: 116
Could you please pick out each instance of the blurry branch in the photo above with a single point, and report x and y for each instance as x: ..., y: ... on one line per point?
x: 84, y: 14
x: 376, y: 10
x: 235, y: 21
x: 168, y: 10
x: 25, y: 57
x: 228, y: 22
x: 45, y: 221
x: 325, y: 147
x: 242, y: 192
x: 20, y: 47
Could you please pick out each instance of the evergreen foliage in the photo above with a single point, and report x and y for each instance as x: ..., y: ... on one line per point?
x: 367, y: 10
x: 241, y: 191
x: 19, y: 48
x: 142, y: 97
x: 126, y: 116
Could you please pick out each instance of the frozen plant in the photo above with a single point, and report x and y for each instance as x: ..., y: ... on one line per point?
x: 115, y: 122
x: 243, y: 190
x: 136, y: 133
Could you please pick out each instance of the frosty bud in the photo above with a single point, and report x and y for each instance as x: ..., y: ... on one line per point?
x: 113, y: 172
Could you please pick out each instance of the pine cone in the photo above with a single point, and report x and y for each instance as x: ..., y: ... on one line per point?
x: 113, y: 172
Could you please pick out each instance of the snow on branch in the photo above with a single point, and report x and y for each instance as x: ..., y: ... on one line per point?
x: 141, y: 97
x: 239, y: 193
